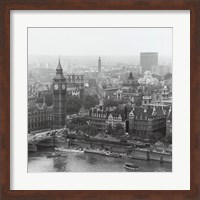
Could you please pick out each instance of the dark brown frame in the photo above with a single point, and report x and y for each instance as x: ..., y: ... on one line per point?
x: 7, y: 5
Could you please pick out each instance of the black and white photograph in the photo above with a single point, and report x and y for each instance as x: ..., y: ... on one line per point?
x: 99, y: 99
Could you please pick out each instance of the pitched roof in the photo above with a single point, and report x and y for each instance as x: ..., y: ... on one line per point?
x: 130, y: 76
x: 149, y: 112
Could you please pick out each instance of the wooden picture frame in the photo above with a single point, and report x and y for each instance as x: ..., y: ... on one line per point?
x: 8, y: 5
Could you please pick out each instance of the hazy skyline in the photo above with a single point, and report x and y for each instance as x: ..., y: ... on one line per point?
x: 99, y: 41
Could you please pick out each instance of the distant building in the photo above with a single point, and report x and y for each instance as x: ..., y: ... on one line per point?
x: 99, y: 65
x: 129, y: 90
x: 160, y: 69
x: 146, y: 100
x: 98, y: 119
x: 75, y: 84
x: 130, y: 82
x: 147, y: 60
x: 130, y: 85
x: 109, y: 93
x: 90, y: 87
x: 101, y: 119
x: 119, y: 94
x: 162, y: 95
x: 165, y: 93
x: 129, y: 96
x: 31, y: 78
x: 147, y: 120
x: 114, y: 119
x: 167, y: 109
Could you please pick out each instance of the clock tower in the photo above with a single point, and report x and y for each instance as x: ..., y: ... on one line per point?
x: 59, y: 98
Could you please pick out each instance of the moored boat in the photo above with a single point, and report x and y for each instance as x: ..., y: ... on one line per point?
x: 115, y: 155
x: 53, y: 155
x: 131, y: 166
x: 69, y: 150
x: 104, y: 153
x: 95, y: 151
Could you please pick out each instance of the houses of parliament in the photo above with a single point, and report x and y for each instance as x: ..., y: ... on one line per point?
x: 42, y: 117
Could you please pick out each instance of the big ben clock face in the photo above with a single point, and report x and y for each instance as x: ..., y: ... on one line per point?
x: 63, y: 87
x: 55, y: 86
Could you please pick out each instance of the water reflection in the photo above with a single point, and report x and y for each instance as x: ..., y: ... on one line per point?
x: 77, y: 162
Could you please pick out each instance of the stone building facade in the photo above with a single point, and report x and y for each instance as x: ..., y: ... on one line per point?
x: 98, y: 119
x: 114, y: 119
x: 75, y: 84
x: 40, y: 117
x: 147, y: 120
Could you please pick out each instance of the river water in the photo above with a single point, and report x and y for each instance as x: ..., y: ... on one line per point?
x: 85, y: 162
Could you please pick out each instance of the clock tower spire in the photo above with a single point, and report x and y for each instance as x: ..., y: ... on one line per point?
x: 59, y: 98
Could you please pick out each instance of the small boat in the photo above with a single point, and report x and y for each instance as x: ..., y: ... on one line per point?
x: 131, y: 166
x: 146, y: 150
x: 115, y: 155
x: 161, y: 152
x: 69, y: 150
x: 104, y: 153
x: 96, y: 152
x: 53, y: 155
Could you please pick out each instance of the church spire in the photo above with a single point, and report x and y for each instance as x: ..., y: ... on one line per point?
x: 59, y: 64
x: 59, y: 69
x: 130, y: 76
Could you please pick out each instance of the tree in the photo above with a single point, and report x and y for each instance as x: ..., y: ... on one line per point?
x: 119, y: 133
x: 119, y: 130
x: 154, y: 137
x: 49, y: 99
x: 90, y: 101
x: 169, y: 138
x: 65, y: 133
x: 70, y: 126
x: 79, y: 121
x: 73, y: 105
x: 142, y: 135
x: 109, y: 130
x: 110, y: 103
x: 88, y: 129
x: 122, y: 101
x: 167, y: 76
x: 119, y: 110
x: 93, y: 131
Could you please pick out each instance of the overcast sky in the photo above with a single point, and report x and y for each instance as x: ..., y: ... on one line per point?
x: 99, y: 41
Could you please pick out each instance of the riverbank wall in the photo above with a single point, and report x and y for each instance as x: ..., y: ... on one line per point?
x: 123, y: 149
x: 118, y: 147
x: 144, y: 155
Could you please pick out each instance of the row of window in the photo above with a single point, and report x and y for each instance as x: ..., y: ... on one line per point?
x: 40, y: 113
x: 39, y: 125
x: 146, y: 123
x: 139, y: 127
x: 40, y: 119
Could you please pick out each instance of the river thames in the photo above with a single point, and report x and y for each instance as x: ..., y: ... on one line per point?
x: 84, y: 162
